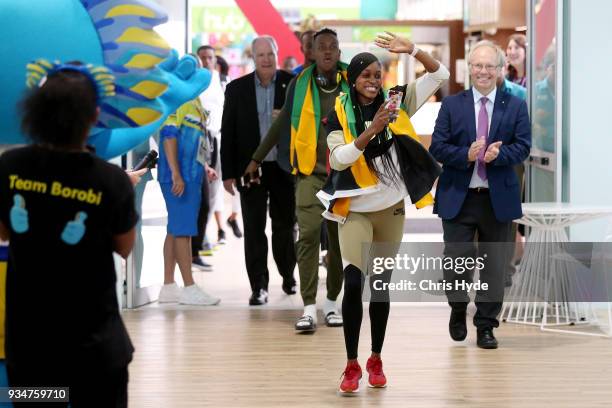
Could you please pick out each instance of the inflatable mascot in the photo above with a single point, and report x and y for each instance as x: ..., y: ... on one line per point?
x: 150, y: 81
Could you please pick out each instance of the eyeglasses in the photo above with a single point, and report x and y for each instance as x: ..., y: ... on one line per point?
x: 479, y: 67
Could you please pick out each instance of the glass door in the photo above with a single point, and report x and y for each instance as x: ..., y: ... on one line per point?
x: 544, y: 165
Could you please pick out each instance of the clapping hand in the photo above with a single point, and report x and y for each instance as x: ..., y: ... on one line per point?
x: 492, y: 152
x: 475, y: 149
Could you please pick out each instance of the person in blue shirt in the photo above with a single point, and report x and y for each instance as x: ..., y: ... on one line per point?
x: 514, y: 89
x: 182, y: 161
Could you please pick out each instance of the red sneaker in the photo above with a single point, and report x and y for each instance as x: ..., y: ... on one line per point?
x: 376, y: 378
x: 350, y: 382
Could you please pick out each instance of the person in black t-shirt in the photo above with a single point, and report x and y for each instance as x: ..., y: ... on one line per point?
x: 64, y: 212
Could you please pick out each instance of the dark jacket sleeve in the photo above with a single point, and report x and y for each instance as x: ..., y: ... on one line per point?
x: 517, y: 151
x: 229, y: 134
x: 442, y: 148
x: 280, y: 126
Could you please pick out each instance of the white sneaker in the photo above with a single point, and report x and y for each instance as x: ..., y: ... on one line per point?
x: 193, y: 295
x: 169, y: 293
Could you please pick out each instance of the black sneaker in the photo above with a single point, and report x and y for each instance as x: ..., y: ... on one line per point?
x: 221, y: 237
x: 258, y: 298
x: 289, y: 288
x: 199, y: 264
x: 235, y: 228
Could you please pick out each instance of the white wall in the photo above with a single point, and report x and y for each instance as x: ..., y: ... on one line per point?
x: 429, y: 10
x: 590, y: 132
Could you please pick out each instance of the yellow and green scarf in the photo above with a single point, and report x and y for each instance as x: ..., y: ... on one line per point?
x: 306, y: 119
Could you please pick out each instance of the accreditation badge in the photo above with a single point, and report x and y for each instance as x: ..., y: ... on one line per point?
x: 202, y: 150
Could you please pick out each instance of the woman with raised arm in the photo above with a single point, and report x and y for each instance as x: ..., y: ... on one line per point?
x: 376, y: 161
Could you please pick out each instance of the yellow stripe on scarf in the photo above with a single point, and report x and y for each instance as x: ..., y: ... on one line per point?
x: 302, y: 138
x: 425, y: 201
x: 364, y: 177
x: 403, y: 126
x: 341, y: 207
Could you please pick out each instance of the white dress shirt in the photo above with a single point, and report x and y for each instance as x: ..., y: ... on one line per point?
x: 212, y: 100
x: 476, y: 181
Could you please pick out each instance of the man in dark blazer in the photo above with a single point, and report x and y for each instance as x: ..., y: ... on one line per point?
x: 251, y: 104
x: 480, y: 134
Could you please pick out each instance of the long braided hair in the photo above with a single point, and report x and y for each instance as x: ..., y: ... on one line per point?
x: 381, y: 144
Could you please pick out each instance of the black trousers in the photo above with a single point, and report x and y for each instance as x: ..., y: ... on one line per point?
x: 89, y: 386
x: 476, y: 221
x: 324, y: 236
x: 196, y: 242
x: 277, y: 186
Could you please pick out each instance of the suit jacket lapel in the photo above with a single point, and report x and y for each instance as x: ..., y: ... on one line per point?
x: 499, y: 107
x: 470, y: 114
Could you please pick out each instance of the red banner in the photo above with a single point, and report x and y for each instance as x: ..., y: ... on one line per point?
x: 546, y: 27
x: 266, y: 20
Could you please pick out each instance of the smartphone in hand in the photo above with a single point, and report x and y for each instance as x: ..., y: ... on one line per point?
x: 250, y: 178
x: 393, y: 102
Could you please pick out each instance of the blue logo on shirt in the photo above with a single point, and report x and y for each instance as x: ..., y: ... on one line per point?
x: 19, y: 215
x: 74, y: 230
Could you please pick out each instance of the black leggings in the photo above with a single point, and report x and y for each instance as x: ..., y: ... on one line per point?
x: 352, y: 310
x: 196, y: 241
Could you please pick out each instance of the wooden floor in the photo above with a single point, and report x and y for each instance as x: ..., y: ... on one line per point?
x: 252, y: 358
x: 235, y: 356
